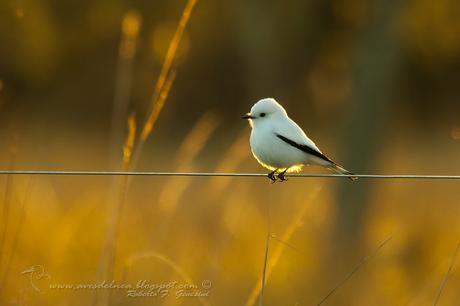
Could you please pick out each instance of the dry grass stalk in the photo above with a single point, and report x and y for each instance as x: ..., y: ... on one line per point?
x: 158, y: 106
x: 165, y: 71
x: 353, y: 271
x: 234, y: 156
x: 162, y: 88
x: 129, y: 144
x: 148, y: 126
x: 164, y: 82
x: 130, y: 32
x: 263, y: 279
x: 192, y: 145
x: 293, y: 225
x: 107, y: 265
x: 446, y: 276
x: 130, y: 28
x: 196, y: 139
x: 116, y: 218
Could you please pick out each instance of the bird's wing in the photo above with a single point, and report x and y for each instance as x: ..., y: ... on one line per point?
x: 304, y: 148
x: 289, y: 132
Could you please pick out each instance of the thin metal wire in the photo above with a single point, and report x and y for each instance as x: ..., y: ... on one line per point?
x: 299, y: 175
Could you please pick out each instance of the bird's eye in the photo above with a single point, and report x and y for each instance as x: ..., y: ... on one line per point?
x: 262, y: 114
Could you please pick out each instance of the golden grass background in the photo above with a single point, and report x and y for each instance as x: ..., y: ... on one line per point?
x: 161, y: 229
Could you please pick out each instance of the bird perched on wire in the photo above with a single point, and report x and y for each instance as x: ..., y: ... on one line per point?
x: 280, y: 145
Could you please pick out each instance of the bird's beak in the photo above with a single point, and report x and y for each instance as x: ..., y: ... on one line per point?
x: 247, y: 116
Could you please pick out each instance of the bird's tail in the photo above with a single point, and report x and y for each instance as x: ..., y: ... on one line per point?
x: 339, y: 169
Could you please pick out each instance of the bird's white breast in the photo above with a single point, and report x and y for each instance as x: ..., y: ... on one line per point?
x: 272, y: 152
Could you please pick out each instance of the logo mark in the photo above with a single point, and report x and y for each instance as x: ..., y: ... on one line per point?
x: 35, y: 272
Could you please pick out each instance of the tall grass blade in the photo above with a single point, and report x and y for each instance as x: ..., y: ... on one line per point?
x: 130, y: 29
x: 267, y: 247
x: 107, y: 265
x: 278, y: 252
x: 446, y: 276
x: 355, y: 269
x: 164, y: 81
x: 192, y: 145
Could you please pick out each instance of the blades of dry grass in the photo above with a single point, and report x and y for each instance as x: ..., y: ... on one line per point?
x: 130, y: 139
x: 422, y: 295
x: 162, y: 88
x: 278, y: 252
x: 165, y: 70
x: 117, y: 211
x: 130, y: 28
x: 157, y: 107
x: 235, y: 155
x: 278, y: 239
x: 267, y: 248
x: 446, y: 275
x: 196, y: 139
x: 164, y: 82
x: 355, y: 269
x: 123, y: 83
x: 192, y: 145
x: 107, y: 265
x: 164, y: 259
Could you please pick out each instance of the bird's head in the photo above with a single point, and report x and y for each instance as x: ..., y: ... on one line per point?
x: 265, y: 110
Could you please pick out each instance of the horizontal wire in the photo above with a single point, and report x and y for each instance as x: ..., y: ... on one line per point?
x: 206, y: 174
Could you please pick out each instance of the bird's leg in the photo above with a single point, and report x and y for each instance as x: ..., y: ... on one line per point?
x: 281, y: 177
x: 272, y: 175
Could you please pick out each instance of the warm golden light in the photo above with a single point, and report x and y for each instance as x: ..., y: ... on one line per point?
x: 292, y: 169
x: 130, y: 31
x: 131, y: 23
x: 160, y: 86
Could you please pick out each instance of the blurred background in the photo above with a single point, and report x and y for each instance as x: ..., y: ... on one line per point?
x: 374, y: 83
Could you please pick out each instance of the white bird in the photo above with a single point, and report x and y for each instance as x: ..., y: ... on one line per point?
x: 280, y: 145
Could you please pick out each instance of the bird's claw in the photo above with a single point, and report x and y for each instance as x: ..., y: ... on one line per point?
x: 281, y: 177
x: 277, y: 177
x: 272, y: 176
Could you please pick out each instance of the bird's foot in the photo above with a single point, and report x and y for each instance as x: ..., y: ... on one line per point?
x: 272, y: 176
x: 281, y: 177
